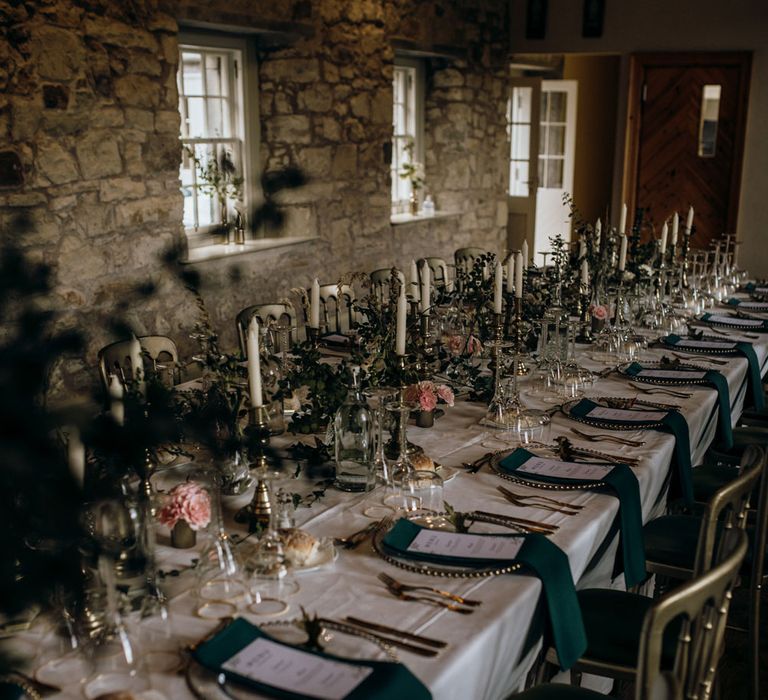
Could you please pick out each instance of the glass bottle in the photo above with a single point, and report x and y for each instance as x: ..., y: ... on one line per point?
x: 353, y: 433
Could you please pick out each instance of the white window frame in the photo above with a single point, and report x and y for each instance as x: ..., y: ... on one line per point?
x: 413, y: 129
x: 244, y: 117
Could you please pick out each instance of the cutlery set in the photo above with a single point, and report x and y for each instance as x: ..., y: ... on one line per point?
x: 539, y: 502
x: 431, y: 596
x: 599, y: 437
x: 660, y: 390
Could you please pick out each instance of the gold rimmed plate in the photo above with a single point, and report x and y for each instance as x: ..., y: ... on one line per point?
x: 493, y: 525
x: 665, y: 381
x: 701, y: 351
x: 496, y: 459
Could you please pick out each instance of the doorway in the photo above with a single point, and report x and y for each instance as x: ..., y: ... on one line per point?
x: 542, y: 130
x: 685, y: 137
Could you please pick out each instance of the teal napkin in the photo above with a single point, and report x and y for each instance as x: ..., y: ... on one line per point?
x: 623, y: 484
x: 388, y: 680
x: 549, y: 563
x: 719, y: 382
x: 761, y: 328
x: 673, y: 422
x: 753, y: 369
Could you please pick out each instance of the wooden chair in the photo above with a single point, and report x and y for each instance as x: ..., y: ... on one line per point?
x: 115, y: 358
x: 268, y: 314
x: 381, y: 281
x: 680, y: 636
x: 337, y: 314
x: 612, y: 649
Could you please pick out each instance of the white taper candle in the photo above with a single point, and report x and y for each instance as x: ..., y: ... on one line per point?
x: 664, y: 234
x: 623, y: 254
x: 402, y: 313
x: 415, y: 281
x: 623, y: 219
x: 426, y: 287
x: 519, y: 275
x: 254, y: 364
x: 498, y: 282
x: 511, y: 273
x: 116, y: 406
x: 314, y: 305
x: 675, y: 227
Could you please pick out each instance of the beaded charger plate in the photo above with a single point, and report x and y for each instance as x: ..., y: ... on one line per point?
x: 667, y: 381
x: 497, y: 457
x: 701, y: 351
x: 444, y: 570
x: 733, y: 326
x: 610, y: 425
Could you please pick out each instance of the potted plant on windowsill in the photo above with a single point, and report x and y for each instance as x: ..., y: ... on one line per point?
x: 219, y: 178
x: 413, y: 171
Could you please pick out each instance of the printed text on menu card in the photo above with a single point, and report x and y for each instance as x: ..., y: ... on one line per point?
x: 296, y: 671
x: 453, y: 544
x: 619, y: 414
x: 565, y: 470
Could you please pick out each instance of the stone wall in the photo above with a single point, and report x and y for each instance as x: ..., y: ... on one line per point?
x: 88, y: 113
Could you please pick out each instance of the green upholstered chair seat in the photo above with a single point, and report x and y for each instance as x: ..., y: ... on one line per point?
x: 672, y: 540
x: 558, y: 691
x: 613, y: 621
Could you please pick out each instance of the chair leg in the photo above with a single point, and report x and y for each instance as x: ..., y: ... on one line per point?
x: 576, y: 678
x: 754, y: 637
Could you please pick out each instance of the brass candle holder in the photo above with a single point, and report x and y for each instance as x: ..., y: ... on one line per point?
x: 258, y: 511
x: 313, y: 336
x: 392, y: 448
x: 585, y: 321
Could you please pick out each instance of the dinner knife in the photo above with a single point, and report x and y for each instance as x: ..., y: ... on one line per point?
x: 391, y: 630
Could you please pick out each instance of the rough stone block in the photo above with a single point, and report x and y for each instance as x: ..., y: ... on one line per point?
x: 98, y: 155
x: 448, y: 77
x: 57, y: 52
x: 113, y: 189
x: 110, y: 31
x: 361, y: 106
x: 345, y: 161
x: 168, y: 121
x: 143, y: 119
x: 55, y: 163
x: 316, y: 98
x: 297, y: 70
x: 291, y: 129
x: 137, y: 91
x: 315, y: 161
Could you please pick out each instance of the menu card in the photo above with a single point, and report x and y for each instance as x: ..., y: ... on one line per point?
x: 753, y: 305
x: 296, y: 671
x: 624, y: 415
x: 564, y: 470
x: 670, y: 374
x: 706, y: 344
x: 731, y: 321
x: 455, y: 544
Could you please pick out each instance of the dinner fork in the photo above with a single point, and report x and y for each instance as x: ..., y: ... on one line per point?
x: 599, y: 437
x: 534, y: 504
x: 398, y: 585
x: 730, y: 335
x: 536, y: 496
x: 453, y: 607
x: 661, y: 390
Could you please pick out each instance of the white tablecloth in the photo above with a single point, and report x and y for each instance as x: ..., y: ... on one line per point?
x: 486, y: 656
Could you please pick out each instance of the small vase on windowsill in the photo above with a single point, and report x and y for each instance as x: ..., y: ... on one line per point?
x: 413, y: 204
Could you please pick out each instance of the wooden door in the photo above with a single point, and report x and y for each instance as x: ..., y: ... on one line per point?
x: 523, y: 124
x: 687, y: 117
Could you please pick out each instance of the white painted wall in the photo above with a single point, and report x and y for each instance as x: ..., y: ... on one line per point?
x: 678, y: 25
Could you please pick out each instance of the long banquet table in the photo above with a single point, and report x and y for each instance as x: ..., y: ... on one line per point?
x: 488, y: 653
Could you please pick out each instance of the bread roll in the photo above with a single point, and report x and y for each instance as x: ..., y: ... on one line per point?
x: 298, y: 546
x: 422, y: 462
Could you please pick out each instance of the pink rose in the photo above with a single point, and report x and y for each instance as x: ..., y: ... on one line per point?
x: 189, y: 502
x: 444, y: 392
x: 427, y: 401
x: 455, y: 344
x: 474, y: 346
x: 600, y: 312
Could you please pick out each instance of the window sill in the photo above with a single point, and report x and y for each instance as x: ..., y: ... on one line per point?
x: 218, y: 251
x: 400, y: 219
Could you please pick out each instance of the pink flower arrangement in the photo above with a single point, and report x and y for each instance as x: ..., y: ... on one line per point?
x: 456, y: 344
x: 427, y: 395
x: 189, y: 502
x: 474, y: 346
x: 600, y: 312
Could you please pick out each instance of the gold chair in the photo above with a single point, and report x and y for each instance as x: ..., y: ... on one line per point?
x: 268, y: 314
x: 613, y: 618
x: 337, y: 314
x: 680, y: 636
x: 381, y: 282
x: 115, y: 358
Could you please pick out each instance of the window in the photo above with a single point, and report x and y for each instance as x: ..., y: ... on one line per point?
x: 519, y: 124
x: 710, y: 114
x: 552, y: 139
x: 213, y: 101
x: 408, y: 128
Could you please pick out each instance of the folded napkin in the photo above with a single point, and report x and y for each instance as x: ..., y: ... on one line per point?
x: 622, y: 483
x: 713, y: 378
x: 386, y: 680
x: 753, y: 366
x: 547, y: 561
x: 753, y: 287
x: 749, y: 324
x: 670, y: 421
